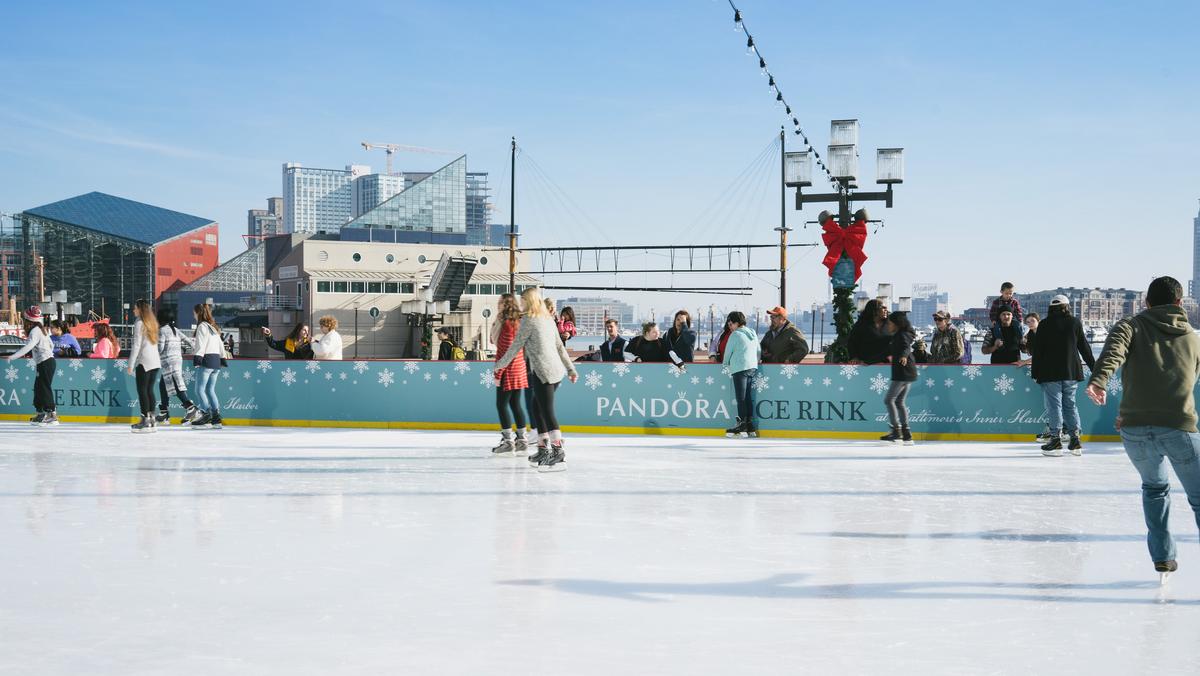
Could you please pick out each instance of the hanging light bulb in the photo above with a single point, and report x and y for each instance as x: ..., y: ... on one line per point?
x: 750, y: 47
x: 771, y: 81
x: 795, y: 121
x: 788, y: 111
x: 779, y: 97
x: 737, y: 20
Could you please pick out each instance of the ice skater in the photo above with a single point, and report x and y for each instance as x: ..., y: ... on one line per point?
x: 41, y: 349
x: 208, y: 361
x: 904, y: 374
x: 741, y: 359
x: 144, y: 364
x: 1057, y: 347
x: 549, y: 362
x: 512, y: 380
x: 1159, y: 358
x: 171, y: 346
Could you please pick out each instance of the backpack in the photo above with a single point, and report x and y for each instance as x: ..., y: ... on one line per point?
x: 458, y: 354
x: 966, y: 358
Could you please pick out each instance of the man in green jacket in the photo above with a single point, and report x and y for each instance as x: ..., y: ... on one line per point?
x: 1157, y: 419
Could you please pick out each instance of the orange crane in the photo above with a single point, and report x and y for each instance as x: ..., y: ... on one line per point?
x: 392, y: 149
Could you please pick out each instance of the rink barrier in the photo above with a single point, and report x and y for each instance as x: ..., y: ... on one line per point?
x: 961, y: 403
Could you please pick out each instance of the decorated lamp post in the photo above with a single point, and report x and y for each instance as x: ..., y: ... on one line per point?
x: 845, y: 236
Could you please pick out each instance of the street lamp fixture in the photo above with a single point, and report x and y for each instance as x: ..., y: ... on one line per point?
x: 889, y: 166
x: 843, y: 162
x: 843, y: 133
x: 798, y: 168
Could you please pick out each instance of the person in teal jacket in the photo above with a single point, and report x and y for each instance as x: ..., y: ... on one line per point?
x: 741, y: 358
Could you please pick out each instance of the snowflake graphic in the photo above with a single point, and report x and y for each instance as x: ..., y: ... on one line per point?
x: 428, y: 377
x: 827, y: 381
x: 1004, y: 384
x: 247, y: 375
x: 411, y: 367
x: 593, y: 380
x: 29, y: 364
x: 725, y: 371
x: 225, y: 375
x: 709, y: 380
x: 695, y: 380
x: 929, y: 382
x: 328, y: 375
x: 486, y: 378
x: 808, y: 381
x: 620, y: 369
x: 75, y: 364
x: 637, y: 379
x: 289, y: 377
x: 443, y: 377
x: 462, y: 368
x: 387, y: 378
x: 312, y: 366
x: 121, y: 364
x: 878, y: 383
x: 189, y: 375
x: 1115, y: 387
x: 972, y: 371
x: 10, y: 373
x: 263, y: 365
x: 761, y: 384
x: 361, y: 366
x: 949, y: 382
x: 850, y: 371
x: 789, y: 371
x: 98, y: 375
x: 674, y: 371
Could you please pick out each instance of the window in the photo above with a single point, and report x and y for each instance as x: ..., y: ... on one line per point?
x: 406, y: 287
x: 358, y: 287
x: 390, y: 258
x: 323, y: 287
x: 391, y: 287
x: 164, y: 272
x: 374, y: 287
x: 472, y: 289
x: 483, y: 260
x: 197, y: 251
x: 357, y: 257
x: 341, y: 287
x: 421, y: 259
x: 485, y: 289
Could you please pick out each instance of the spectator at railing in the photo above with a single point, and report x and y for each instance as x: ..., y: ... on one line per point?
x: 613, y: 347
x: 566, y: 325
x: 948, y: 343
x: 64, y: 343
x: 105, y: 345
x: 1003, y: 342
x: 295, y: 346
x: 681, y: 338
x: 650, y: 347
x: 869, y: 340
x: 329, y: 345
x: 783, y: 343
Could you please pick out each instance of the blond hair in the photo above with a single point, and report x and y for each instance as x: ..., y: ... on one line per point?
x: 149, y: 321
x: 534, y: 305
x: 328, y: 323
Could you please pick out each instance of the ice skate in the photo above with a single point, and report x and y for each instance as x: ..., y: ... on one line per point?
x: 892, y: 437
x: 1165, y: 568
x: 37, y: 419
x: 163, y: 418
x: 521, y: 447
x: 216, y: 422
x: 543, y: 452
x: 1053, y: 448
x: 505, y: 447
x: 555, y: 460
x: 190, y: 416
x: 1075, y: 446
x: 906, y: 436
x: 202, y: 421
x: 736, y: 430
x: 750, y: 431
x: 50, y: 419
x: 143, y: 426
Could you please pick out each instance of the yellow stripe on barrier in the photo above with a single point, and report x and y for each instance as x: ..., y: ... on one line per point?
x: 578, y: 429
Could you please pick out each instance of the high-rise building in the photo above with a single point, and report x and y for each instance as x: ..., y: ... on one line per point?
x: 925, y: 301
x: 318, y: 200
x: 374, y: 189
x: 590, y: 314
x: 267, y: 222
x: 479, y: 207
x: 1194, y: 283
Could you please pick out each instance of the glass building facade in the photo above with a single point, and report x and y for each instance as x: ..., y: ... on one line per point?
x: 318, y: 200
x: 436, y: 203
x: 374, y: 189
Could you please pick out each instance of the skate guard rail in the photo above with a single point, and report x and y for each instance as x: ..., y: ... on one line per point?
x: 999, y: 403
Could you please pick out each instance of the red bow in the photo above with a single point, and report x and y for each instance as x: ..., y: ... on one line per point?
x: 845, y: 240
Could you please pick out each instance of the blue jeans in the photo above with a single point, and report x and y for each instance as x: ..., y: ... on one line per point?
x: 743, y: 392
x: 1147, y: 448
x: 1060, y: 405
x: 206, y: 389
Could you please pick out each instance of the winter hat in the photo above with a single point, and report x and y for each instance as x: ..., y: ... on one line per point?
x: 33, y: 314
x: 1060, y: 299
x: 941, y: 314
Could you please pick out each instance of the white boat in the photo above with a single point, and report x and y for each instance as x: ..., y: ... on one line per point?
x: 1097, y: 334
x: 969, y: 332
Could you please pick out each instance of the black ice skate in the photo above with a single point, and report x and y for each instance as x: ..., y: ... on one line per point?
x: 750, y: 430
x: 891, y: 437
x: 555, y: 461
x: 202, y: 421
x: 216, y: 422
x: 1165, y: 568
x: 163, y: 418
x: 1053, y: 448
x: 143, y: 426
x: 192, y: 414
x: 906, y: 436
x: 1076, y: 446
x: 736, y: 430
x: 37, y: 419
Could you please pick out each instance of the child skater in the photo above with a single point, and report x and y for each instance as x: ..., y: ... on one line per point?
x: 171, y: 346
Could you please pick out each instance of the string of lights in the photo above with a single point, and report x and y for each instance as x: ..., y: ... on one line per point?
x: 752, y: 50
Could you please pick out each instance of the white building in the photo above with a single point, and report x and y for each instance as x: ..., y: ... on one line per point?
x: 318, y: 200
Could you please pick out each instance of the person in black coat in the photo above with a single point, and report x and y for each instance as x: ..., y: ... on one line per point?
x: 681, y: 338
x: 869, y: 339
x: 904, y: 374
x: 613, y: 347
x: 296, y: 345
x: 1057, y: 367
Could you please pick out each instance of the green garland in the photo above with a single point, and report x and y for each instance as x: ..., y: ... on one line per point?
x: 843, y: 321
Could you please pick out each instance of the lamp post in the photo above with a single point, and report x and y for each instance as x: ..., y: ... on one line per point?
x: 843, y: 166
x: 814, y: 320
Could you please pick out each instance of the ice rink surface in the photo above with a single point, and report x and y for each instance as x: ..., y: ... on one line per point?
x: 328, y: 551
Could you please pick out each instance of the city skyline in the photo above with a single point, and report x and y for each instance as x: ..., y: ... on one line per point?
x: 644, y: 140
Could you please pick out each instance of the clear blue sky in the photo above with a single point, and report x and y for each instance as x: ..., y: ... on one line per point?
x: 1047, y: 143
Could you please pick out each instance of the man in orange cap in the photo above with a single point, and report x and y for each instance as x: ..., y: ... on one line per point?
x: 784, y: 342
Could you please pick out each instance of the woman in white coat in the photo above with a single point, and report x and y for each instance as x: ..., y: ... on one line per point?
x: 209, y: 353
x: 328, y: 346
x: 144, y: 363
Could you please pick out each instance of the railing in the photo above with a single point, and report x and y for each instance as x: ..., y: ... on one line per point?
x: 272, y: 302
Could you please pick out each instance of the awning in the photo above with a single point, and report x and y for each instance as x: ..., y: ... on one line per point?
x: 363, y: 275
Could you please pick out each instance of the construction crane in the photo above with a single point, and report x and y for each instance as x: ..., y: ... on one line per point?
x: 392, y: 149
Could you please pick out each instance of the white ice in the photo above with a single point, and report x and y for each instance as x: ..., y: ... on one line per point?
x: 324, y: 551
